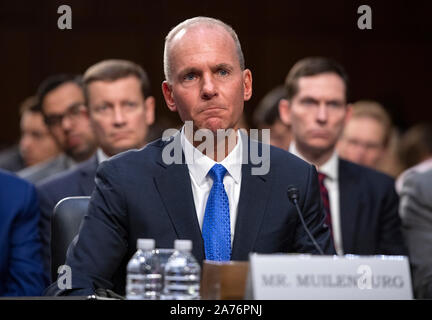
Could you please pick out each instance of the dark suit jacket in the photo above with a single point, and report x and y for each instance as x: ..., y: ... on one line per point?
x: 21, y: 270
x: 137, y: 195
x: 369, y: 212
x: 78, y: 181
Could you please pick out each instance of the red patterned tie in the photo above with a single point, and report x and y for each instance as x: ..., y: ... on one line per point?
x: 325, y: 199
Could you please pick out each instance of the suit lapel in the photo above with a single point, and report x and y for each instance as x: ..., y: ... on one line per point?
x: 350, y: 205
x: 254, y: 194
x: 174, y: 187
x: 87, y: 175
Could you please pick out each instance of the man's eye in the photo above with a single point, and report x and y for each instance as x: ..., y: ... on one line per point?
x: 102, y: 108
x: 130, y: 104
x: 189, y: 77
x: 335, y: 104
x: 308, y: 102
x: 223, y: 72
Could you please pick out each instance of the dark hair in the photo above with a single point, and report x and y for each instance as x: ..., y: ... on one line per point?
x: 312, y: 66
x: 30, y: 104
x: 267, y: 111
x: 111, y: 70
x: 53, y: 82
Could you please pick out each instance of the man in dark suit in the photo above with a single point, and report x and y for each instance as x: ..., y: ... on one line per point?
x: 361, y: 203
x: 120, y: 110
x: 21, y: 271
x: 171, y: 190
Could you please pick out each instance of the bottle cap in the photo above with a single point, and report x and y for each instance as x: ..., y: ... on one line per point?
x: 145, y: 244
x: 183, y: 245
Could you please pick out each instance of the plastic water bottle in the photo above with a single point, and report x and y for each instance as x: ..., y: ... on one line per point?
x: 144, y: 273
x: 182, y: 273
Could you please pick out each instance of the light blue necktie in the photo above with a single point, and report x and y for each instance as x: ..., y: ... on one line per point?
x: 216, y: 229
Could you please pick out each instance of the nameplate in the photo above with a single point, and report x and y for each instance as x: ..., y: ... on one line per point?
x: 311, y: 277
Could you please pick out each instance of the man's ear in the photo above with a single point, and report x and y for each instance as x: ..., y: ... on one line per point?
x: 285, y: 111
x: 150, y: 110
x: 247, y: 83
x: 168, y: 95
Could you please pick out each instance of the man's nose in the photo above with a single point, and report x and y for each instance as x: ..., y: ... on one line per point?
x: 119, y: 117
x: 322, y: 114
x: 25, y: 143
x: 208, y: 89
x: 66, y: 123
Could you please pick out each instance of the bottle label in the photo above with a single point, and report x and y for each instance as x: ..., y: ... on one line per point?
x: 135, y: 286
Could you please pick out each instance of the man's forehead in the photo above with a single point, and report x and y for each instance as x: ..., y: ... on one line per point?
x: 197, y: 30
x: 201, y: 35
x: 330, y: 83
x: 63, y: 96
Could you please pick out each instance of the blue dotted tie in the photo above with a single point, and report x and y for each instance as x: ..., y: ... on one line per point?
x: 216, y: 229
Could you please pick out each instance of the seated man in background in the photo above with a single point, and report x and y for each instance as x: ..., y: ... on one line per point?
x: 367, y: 135
x: 361, y: 204
x: 266, y: 116
x: 36, y: 145
x: 120, y: 109
x: 62, y: 103
x: 21, y: 269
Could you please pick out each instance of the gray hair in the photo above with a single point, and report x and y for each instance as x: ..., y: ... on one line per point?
x: 194, y: 21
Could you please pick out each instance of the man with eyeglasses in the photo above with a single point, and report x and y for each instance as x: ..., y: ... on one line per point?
x: 62, y: 102
x: 120, y: 109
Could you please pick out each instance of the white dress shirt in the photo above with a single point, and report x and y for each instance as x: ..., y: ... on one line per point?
x: 199, y: 165
x: 331, y: 182
x: 101, y: 156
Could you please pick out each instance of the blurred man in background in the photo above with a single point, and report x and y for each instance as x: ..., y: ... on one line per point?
x: 120, y: 110
x: 361, y: 204
x: 62, y: 102
x: 36, y: 144
x: 366, y: 135
x: 266, y: 116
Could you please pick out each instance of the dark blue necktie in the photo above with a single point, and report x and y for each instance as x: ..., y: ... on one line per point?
x: 216, y: 229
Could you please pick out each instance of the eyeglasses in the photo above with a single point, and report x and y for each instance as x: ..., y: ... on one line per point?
x: 74, y: 112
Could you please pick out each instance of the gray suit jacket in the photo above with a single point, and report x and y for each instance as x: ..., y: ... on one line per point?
x: 416, y: 213
x: 38, y: 172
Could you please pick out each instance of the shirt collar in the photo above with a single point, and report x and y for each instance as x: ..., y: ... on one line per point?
x: 101, y: 156
x: 330, y: 168
x: 199, y: 164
